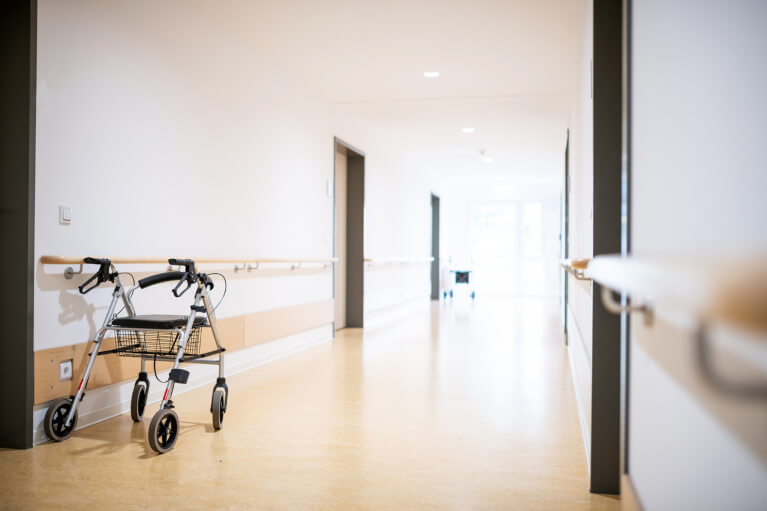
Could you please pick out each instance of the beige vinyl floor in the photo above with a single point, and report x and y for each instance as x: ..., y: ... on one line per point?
x: 463, y: 406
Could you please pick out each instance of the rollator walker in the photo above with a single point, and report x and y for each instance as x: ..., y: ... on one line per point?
x: 459, y: 277
x: 151, y: 337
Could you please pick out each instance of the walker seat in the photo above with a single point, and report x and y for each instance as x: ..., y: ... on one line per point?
x: 158, y: 321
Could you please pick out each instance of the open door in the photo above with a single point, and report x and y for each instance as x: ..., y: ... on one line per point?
x: 564, y: 234
x: 348, y: 234
x: 435, y: 247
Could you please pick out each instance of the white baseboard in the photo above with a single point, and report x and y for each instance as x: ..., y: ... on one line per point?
x: 112, y: 400
x: 576, y: 342
x: 386, y: 315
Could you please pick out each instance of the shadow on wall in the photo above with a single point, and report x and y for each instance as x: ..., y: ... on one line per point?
x: 74, y: 308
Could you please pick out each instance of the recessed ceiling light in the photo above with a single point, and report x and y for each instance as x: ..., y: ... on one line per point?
x: 487, y: 159
x: 431, y: 74
x: 468, y: 130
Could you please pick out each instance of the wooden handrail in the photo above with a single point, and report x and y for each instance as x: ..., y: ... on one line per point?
x: 576, y: 268
x: 397, y: 260
x: 49, y: 259
x: 733, y: 291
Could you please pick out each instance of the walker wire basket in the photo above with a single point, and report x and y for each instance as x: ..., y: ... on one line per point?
x: 157, y: 344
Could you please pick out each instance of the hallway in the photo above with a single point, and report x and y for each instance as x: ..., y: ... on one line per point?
x: 468, y: 407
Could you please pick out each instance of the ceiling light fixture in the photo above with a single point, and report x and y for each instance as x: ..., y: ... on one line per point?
x: 431, y: 74
x: 468, y: 130
x: 487, y: 159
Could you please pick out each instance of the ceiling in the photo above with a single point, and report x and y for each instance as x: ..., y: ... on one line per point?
x: 507, y: 68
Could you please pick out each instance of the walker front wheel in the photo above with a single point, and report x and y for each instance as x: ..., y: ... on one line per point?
x: 56, y: 418
x: 219, y: 408
x: 138, y: 401
x: 163, y: 431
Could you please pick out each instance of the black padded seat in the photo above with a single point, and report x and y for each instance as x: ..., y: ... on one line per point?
x: 159, y: 321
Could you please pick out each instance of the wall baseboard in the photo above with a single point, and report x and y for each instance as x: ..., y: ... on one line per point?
x: 576, y: 342
x: 629, y: 498
x: 112, y: 400
x: 381, y: 317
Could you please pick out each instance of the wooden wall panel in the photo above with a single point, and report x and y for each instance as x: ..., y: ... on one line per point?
x: 236, y: 332
x: 265, y: 326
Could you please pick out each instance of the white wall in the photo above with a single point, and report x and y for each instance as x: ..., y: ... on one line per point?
x: 698, y: 184
x: 170, y: 136
x: 581, y: 166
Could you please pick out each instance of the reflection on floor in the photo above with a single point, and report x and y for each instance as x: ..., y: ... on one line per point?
x: 468, y: 408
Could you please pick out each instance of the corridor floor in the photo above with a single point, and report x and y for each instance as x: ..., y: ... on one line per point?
x: 468, y: 406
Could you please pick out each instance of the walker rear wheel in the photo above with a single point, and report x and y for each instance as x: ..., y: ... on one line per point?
x: 138, y: 401
x: 55, y: 419
x: 163, y: 431
x: 219, y: 408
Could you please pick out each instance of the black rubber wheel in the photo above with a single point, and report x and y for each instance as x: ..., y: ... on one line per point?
x: 472, y: 295
x: 219, y: 408
x: 451, y: 293
x: 163, y: 431
x: 55, y: 418
x: 138, y: 401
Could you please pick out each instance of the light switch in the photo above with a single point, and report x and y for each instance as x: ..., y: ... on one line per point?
x: 329, y: 186
x: 65, y: 215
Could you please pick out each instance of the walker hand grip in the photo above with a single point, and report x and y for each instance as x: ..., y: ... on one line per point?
x: 186, y: 263
x: 161, y: 277
x: 96, y: 260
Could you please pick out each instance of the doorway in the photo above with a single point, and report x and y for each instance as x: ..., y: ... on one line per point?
x: 434, y: 247
x: 564, y: 233
x: 348, y: 235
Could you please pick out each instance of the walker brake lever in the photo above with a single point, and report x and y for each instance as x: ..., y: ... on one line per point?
x: 189, y: 281
x: 190, y: 277
x: 102, y: 275
x: 82, y: 288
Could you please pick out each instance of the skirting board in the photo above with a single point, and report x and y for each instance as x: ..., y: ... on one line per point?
x: 629, y: 497
x: 575, y: 342
x: 387, y: 315
x: 112, y: 400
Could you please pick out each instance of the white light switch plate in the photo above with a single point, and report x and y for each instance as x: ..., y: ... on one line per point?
x: 65, y: 215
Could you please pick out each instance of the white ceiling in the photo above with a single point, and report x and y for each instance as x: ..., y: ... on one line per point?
x: 507, y: 68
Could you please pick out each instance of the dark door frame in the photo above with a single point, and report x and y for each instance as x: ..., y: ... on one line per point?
x: 18, y: 43
x: 355, y: 233
x: 565, y: 233
x: 435, y: 226
x: 606, y: 327
x: 626, y: 226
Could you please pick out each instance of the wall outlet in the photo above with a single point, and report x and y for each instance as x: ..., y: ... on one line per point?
x: 65, y: 370
x: 65, y: 215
